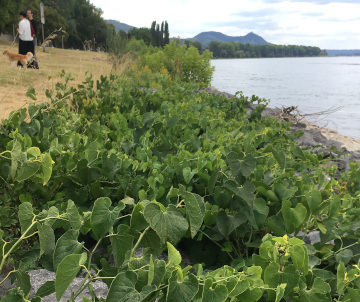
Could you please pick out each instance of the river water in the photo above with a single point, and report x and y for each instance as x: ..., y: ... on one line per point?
x: 312, y: 84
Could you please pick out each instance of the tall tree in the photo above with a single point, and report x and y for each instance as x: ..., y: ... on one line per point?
x: 161, y: 36
x: 153, y: 33
x: 157, y: 35
x: 166, y: 34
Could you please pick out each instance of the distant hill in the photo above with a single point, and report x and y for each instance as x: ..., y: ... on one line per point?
x: 206, y: 37
x: 343, y: 52
x: 120, y: 26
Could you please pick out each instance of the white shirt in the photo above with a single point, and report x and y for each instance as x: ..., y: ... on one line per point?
x: 25, y: 30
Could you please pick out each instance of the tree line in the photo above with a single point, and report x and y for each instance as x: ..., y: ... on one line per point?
x: 86, y: 29
x: 80, y: 20
x: 240, y: 50
x: 157, y: 35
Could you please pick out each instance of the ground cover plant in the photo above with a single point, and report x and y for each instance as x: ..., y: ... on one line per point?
x: 149, y: 161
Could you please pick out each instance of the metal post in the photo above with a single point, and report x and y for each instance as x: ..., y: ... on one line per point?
x: 42, y: 25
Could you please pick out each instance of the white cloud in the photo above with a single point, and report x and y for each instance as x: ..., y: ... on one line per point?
x: 323, y: 23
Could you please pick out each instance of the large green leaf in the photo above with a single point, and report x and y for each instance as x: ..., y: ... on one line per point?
x: 159, y: 270
x: 23, y: 281
x: 167, y: 223
x: 66, y: 245
x: 137, y: 221
x: 15, y: 157
x: 280, y: 157
x: 283, y: 192
x: 46, y: 164
x: 27, y: 170
x: 33, y: 152
x: 26, y: 216
x: 354, y: 294
x: 121, y: 244
x: 122, y: 289
x: 217, y: 294
x: 102, y: 218
x: 181, y: 291
x: 46, y: 238
x: 273, y: 276
x: 228, y: 223
x: 261, y: 211
x: 195, y: 211
x: 280, y: 290
x: 174, y: 257
x: 300, y: 258
x: 14, y: 295
x: 245, y: 192
x: 67, y: 271
x: 341, y: 277
x: 320, y: 291
x: 188, y: 174
x: 293, y: 218
x: 239, y: 288
x: 314, y: 200
x: 241, y: 166
x: 46, y: 289
x: 73, y: 215
x: 344, y: 256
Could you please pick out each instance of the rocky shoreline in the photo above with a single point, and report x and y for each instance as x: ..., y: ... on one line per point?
x: 321, y: 139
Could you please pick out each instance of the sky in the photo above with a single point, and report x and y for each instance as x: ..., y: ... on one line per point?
x: 326, y: 24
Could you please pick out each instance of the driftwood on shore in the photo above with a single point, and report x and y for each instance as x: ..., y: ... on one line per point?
x: 319, y: 138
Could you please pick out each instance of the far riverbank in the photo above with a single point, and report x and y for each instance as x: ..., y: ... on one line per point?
x: 312, y: 84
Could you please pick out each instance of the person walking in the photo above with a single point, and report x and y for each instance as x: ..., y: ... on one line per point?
x: 33, y: 22
x: 26, y: 43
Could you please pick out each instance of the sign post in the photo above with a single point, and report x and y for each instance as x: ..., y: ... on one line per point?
x: 42, y: 22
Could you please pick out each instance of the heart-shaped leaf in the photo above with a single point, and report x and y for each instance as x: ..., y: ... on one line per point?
x: 66, y: 245
x: 102, y: 218
x: 184, y: 290
x: 217, y: 294
x: 122, y: 289
x: 67, y: 271
x: 167, y: 223
x: 188, y: 174
x: 293, y: 218
x: 228, y: 223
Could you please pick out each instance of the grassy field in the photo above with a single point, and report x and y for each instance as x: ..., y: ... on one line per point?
x: 14, y: 82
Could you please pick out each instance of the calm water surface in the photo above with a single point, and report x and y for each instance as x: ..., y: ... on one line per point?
x: 312, y: 84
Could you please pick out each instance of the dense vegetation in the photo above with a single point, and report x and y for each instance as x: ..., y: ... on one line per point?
x: 241, y: 50
x: 149, y: 161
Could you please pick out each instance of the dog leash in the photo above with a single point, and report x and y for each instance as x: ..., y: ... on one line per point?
x: 13, y: 43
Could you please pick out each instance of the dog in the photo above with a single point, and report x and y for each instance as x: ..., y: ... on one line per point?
x: 25, y: 60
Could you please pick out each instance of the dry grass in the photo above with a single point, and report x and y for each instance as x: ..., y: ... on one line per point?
x: 14, y: 82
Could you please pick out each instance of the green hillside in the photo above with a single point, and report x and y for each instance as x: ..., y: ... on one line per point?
x: 206, y: 37
x: 120, y: 26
